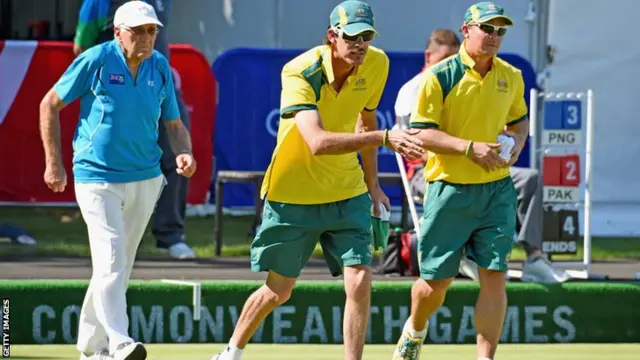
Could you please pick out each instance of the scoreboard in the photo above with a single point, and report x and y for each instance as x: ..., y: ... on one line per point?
x: 562, y: 139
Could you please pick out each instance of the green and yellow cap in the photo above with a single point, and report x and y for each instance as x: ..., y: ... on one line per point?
x: 484, y: 11
x: 353, y: 17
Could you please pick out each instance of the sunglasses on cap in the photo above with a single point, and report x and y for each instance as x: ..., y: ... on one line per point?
x: 365, y: 36
x: 490, y: 29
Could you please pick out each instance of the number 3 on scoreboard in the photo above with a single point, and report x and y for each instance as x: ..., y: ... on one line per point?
x: 571, y: 115
x: 572, y: 119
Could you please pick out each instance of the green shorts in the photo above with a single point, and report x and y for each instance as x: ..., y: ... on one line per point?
x: 289, y: 234
x: 479, y: 219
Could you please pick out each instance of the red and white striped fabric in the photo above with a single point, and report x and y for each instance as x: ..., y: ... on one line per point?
x: 14, y: 64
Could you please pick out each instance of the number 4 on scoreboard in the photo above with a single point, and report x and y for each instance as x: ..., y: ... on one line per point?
x: 568, y: 226
x: 570, y: 229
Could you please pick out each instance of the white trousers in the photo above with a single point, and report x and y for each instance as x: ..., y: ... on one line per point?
x: 116, y: 215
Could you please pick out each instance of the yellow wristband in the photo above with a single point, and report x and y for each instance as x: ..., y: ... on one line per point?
x: 469, y: 145
x: 385, y: 138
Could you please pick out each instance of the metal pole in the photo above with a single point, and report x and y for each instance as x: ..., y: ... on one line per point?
x: 533, y: 128
x: 588, y: 183
x: 218, y: 221
x: 197, y: 295
x: 197, y: 307
x: 407, y: 190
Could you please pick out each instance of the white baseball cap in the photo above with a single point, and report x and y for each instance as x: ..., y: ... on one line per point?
x: 135, y: 13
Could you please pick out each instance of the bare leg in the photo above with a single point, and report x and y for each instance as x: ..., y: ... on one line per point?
x: 490, y: 311
x: 275, y: 292
x: 357, y: 284
x: 426, y: 297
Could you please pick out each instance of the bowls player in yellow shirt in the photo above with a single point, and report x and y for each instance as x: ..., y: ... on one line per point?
x: 465, y: 102
x: 315, y: 188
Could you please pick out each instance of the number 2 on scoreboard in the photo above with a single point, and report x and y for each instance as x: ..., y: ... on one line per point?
x: 571, y: 167
x: 570, y: 170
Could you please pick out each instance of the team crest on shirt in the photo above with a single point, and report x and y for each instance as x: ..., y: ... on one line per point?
x: 360, y: 84
x: 116, y: 79
x: 503, y: 86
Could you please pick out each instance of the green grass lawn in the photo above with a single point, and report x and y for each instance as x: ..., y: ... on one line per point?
x: 332, y: 352
x: 62, y: 232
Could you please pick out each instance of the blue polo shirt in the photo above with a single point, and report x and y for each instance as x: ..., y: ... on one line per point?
x: 116, y: 139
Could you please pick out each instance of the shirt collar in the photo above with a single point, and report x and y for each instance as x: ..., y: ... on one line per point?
x: 328, y: 66
x: 120, y: 52
x: 118, y: 49
x: 467, y: 59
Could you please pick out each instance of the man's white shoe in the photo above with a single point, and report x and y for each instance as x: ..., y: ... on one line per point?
x: 181, y: 251
x: 130, y: 351
x: 469, y: 269
x: 542, y: 271
x: 102, y: 355
x: 407, y: 348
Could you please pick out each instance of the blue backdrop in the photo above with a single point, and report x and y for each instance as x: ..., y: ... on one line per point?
x: 248, y: 103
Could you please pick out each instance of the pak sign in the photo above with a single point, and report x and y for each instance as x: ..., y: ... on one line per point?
x: 561, y: 194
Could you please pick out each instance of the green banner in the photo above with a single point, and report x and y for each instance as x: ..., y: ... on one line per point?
x: 47, y: 312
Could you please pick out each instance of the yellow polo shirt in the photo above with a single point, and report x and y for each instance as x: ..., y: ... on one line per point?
x: 295, y: 175
x: 457, y: 100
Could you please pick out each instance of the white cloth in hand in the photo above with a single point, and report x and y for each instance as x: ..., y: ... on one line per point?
x: 506, y: 145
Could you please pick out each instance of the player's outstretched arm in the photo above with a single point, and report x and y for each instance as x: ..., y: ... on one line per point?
x: 367, y: 122
x: 322, y: 142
